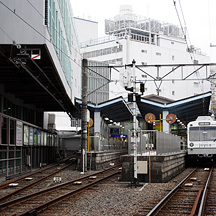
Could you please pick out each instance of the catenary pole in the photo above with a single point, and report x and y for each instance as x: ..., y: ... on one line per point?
x: 84, y: 138
x: 134, y: 123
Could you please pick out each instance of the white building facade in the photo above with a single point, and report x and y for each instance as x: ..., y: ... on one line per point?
x: 149, y: 42
x: 86, y: 29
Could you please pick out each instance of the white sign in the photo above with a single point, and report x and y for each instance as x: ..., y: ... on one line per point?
x: 19, y: 133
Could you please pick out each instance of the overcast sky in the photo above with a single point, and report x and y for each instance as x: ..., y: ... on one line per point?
x: 199, y: 15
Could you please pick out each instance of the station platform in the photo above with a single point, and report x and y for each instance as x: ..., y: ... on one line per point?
x: 102, y: 159
x: 162, y: 167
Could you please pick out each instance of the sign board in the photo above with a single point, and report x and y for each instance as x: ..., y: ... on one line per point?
x: 171, y: 118
x: 26, y: 135
x: 90, y: 123
x: 88, y: 115
x: 150, y: 117
x: 118, y: 135
x: 31, y: 136
x: 142, y: 167
x: 19, y: 133
x: 39, y: 137
x: 35, y: 54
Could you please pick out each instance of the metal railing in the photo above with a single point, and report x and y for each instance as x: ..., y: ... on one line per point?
x: 160, y: 142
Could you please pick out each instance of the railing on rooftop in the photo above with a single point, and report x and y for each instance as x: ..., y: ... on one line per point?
x: 98, y: 41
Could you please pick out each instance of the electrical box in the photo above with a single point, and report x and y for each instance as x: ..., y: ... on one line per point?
x: 142, y: 167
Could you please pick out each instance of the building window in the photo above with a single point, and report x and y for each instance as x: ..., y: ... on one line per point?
x: 196, y: 61
x: 173, y: 92
x: 173, y: 57
x: 63, y: 45
x: 144, y: 76
x: 46, y: 13
x: 196, y: 84
x: 157, y: 53
x: 76, y: 123
x: 144, y: 63
x: 172, y: 42
x: 144, y: 51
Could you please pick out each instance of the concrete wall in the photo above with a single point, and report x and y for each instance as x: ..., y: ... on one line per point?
x: 101, y: 160
x: 163, y: 167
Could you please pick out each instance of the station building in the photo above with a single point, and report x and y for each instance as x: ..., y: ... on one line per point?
x: 40, y: 71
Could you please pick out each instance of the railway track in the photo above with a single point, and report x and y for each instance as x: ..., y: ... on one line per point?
x: 208, y: 201
x: 24, y: 183
x: 186, y: 198
x: 34, y: 203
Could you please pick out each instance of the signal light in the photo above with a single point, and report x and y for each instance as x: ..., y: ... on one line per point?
x: 142, y: 88
x: 130, y: 97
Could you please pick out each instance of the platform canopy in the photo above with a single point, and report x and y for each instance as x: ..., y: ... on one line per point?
x: 34, y: 81
x: 115, y: 109
x: 186, y: 109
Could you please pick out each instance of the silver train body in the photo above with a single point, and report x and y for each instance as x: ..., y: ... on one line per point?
x: 201, y: 137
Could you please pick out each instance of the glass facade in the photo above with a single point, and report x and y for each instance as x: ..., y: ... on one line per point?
x: 62, y: 45
x: 98, y: 76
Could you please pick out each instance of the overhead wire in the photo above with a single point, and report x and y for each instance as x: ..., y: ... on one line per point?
x: 186, y: 36
x: 41, y: 33
x: 186, y: 31
x: 6, y: 34
x: 14, y: 12
x: 35, y: 8
x: 183, y: 31
x: 210, y: 30
x: 92, y: 71
x: 52, y: 26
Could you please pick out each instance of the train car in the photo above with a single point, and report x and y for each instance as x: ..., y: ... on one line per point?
x: 201, y: 138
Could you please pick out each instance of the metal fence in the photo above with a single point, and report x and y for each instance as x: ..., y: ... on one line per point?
x: 97, y: 144
x: 160, y: 142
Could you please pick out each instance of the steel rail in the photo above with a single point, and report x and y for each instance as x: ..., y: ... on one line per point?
x: 6, y: 184
x: 165, y: 199
x: 16, y: 200
x: 204, y: 196
x: 195, y: 205
x: 34, y: 183
x: 40, y: 208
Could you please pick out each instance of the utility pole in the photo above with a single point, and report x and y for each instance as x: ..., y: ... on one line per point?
x: 134, y: 131
x: 84, y: 138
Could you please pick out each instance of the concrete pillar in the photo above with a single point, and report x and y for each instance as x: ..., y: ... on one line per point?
x: 97, y: 128
x: 166, y: 126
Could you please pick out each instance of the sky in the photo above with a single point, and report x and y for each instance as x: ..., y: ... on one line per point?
x: 198, y: 17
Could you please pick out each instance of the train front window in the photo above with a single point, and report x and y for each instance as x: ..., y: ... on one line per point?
x: 202, y: 133
x: 194, y: 134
